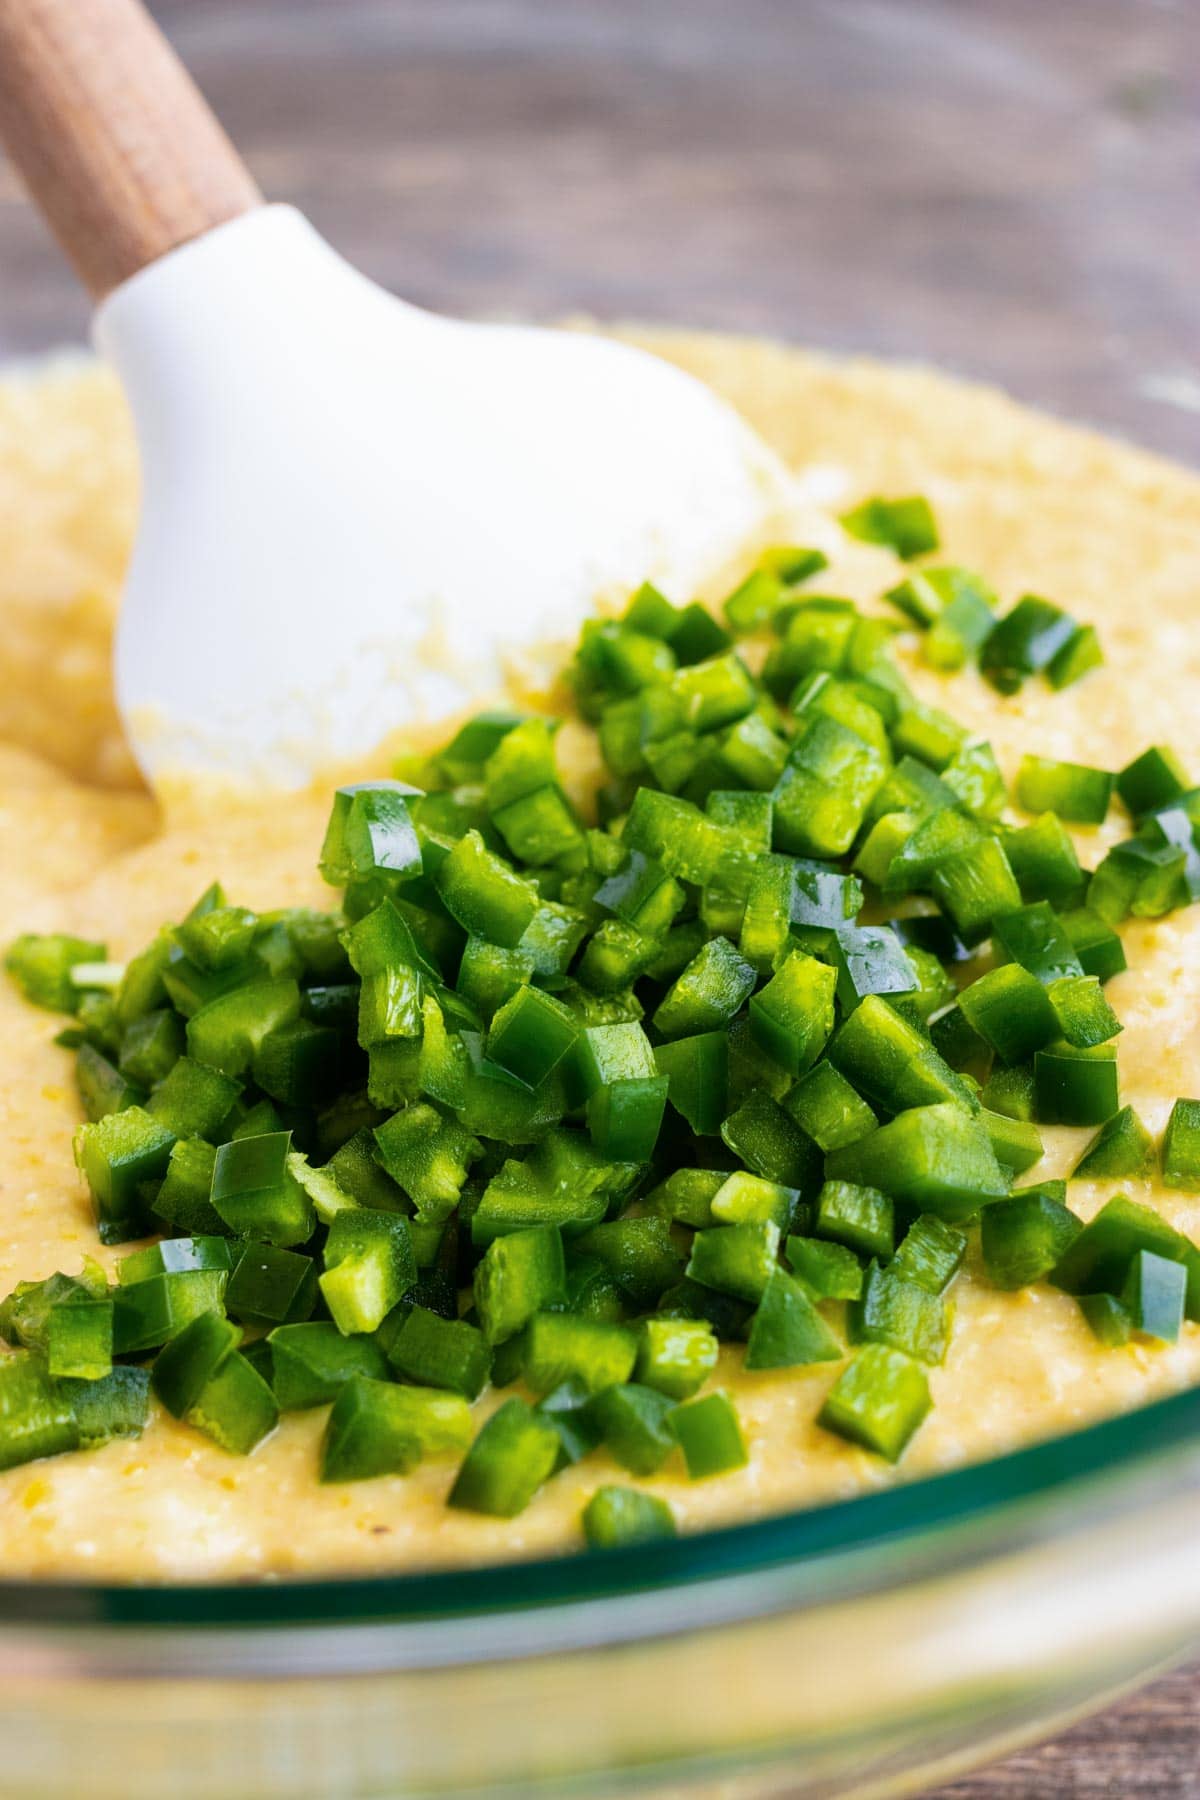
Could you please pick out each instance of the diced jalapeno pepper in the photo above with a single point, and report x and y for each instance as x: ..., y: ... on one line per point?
x: 878, y: 1401
x: 616, y: 1517
x: 1076, y: 1087
x: 312, y: 1361
x: 515, y: 1452
x: 709, y: 1433
x: 381, y: 1428
x: 936, y: 1157
x: 369, y: 1267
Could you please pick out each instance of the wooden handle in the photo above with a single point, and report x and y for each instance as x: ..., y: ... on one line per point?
x: 113, y: 139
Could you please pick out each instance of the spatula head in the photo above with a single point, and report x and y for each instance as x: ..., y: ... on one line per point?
x: 354, y: 511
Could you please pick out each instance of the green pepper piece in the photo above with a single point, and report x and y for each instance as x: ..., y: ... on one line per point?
x: 1035, y: 937
x: 79, y: 1338
x: 1181, y: 1146
x: 870, y: 959
x: 428, y: 1156
x: 791, y: 1018
x: 271, y: 1287
x: 1154, y: 1294
x: 901, y: 1313
x: 567, y: 1408
x: 561, y: 1347
x: 1011, y: 1011
x: 632, y: 1421
x: 696, y: 635
x: 26, y: 1313
x: 1098, y: 1259
x: 710, y: 1435
x: 489, y: 975
x: 380, y: 1428
x: 815, y: 634
x: 891, y: 1063
x: 150, y: 1047
x: 299, y: 1064
x: 1072, y: 790
x: 708, y: 992
x: 735, y: 1259
x: 930, y: 1254
x: 356, y: 1171
x: 371, y: 835
x: 312, y: 1361
x: 676, y: 1356
x: 686, y: 1195
x: 617, y: 1517
x: 518, y: 1198
x: 369, y: 1267
x: 828, y: 1271
x: 515, y: 1452
x: 117, y: 1155
x: 878, y: 1401
x: 102, y: 1087
x: 518, y: 1275
x: 1078, y: 657
x: 1122, y: 1147
x: 484, y: 894
x: 965, y: 622
x: 639, y: 1255
x: 612, y: 1069
x: 1017, y: 1143
x: 828, y: 1109
x: 1108, y: 1319
x: 829, y: 780
x: 1097, y: 945
x: 1024, y: 642
x: 1010, y: 1092
x: 530, y: 1034
x: 1044, y: 861
x: 36, y: 1417
x: 906, y: 526
x: 173, y: 1254
x: 114, y: 1406
x: 193, y: 1100
x: 938, y: 1158
x: 1155, y: 778
x: 464, y: 757
x: 973, y: 774
x: 256, y: 1192
x: 442, y: 1353
x: 753, y: 752
x: 715, y: 692
x: 217, y: 938
x: 1076, y: 1087
x: 787, y: 1331
x: 697, y: 1073
x: 41, y: 966
x: 151, y: 1312
x: 767, y: 1139
x: 861, y: 1218
x: 975, y: 887
x: 227, y: 1031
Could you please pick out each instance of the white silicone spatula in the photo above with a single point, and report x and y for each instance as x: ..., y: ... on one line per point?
x: 352, y: 509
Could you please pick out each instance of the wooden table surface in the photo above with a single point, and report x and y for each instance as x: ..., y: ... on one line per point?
x: 1008, y: 187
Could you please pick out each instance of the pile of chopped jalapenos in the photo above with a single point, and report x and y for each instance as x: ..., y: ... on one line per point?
x: 563, y: 1106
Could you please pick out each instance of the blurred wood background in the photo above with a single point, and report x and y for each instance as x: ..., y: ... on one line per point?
x: 1006, y: 187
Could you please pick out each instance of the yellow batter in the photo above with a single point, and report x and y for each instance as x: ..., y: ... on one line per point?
x: 1112, y: 534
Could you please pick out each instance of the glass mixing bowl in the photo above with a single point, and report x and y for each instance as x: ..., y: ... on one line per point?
x: 863, y: 1648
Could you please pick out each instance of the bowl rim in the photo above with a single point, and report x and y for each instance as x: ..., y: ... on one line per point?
x: 836, y: 1547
